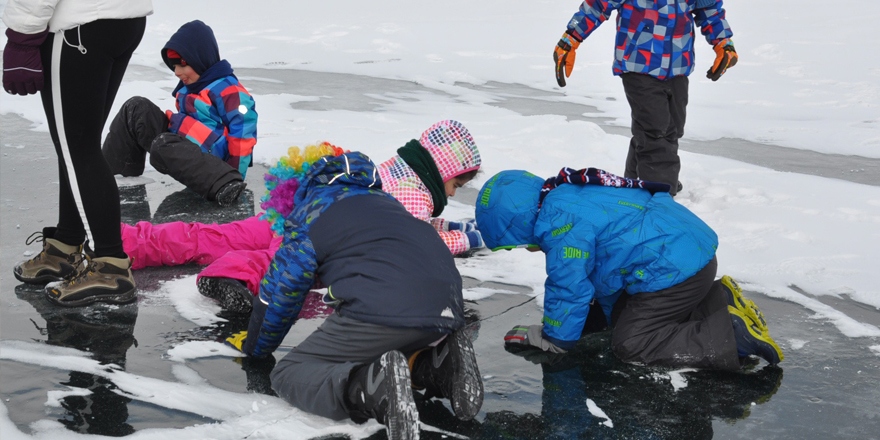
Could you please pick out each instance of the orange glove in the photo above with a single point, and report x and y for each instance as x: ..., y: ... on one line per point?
x: 564, y: 55
x: 725, y: 57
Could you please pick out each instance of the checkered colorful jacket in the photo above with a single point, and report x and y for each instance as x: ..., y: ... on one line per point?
x: 455, y: 153
x: 221, y: 119
x: 654, y: 37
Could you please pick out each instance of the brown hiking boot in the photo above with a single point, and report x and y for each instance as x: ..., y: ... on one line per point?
x: 100, y: 279
x: 55, y: 262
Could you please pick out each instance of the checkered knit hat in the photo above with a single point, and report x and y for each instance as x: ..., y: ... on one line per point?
x: 452, y: 148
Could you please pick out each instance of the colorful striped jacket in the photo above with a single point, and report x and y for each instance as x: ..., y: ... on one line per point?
x: 654, y: 37
x: 221, y: 119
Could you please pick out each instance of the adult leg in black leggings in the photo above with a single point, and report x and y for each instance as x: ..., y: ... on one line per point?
x: 83, y: 68
x: 80, y: 86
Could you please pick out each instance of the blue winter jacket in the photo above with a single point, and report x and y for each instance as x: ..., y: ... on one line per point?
x: 381, y: 264
x: 599, y: 243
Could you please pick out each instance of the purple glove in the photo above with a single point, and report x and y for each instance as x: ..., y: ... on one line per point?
x: 22, y: 67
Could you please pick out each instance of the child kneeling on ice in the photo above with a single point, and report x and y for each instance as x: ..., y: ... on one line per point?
x: 627, y: 247
x: 397, y: 293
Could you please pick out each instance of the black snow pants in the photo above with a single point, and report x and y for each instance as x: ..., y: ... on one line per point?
x: 82, y: 70
x: 141, y: 127
x: 686, y: 325
x: 658, y: 116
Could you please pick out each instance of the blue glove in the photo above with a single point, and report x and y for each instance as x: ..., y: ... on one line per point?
x: 466, y: 226
x: 475, y: 239
x: 525, y: 336
x: 470, y: 225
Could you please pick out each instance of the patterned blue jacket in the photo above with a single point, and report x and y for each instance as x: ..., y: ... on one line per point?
x: 381, y: 264
x: 654, y: 37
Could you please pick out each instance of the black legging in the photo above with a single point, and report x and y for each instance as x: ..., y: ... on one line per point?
x: 88, y: 77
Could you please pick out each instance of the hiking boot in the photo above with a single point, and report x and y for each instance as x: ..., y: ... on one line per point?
x: 54, y: 263
x: 450, y: 370
x: 750, y: 340
x: 745, y: 306
x: 381, y: 390
x: 232, y: 294
x: 229, y: 193
x: 101, y: 279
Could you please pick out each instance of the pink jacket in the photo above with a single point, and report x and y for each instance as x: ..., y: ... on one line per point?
x: 455, y: 153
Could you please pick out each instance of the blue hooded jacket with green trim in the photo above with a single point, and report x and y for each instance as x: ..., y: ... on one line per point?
x: 599, y: 242
x: 381, y: 264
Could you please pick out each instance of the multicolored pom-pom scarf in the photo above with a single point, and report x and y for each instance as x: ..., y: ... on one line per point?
x: 595, y: 176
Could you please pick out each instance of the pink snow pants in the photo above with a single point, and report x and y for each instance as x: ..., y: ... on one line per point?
x: 241, y: 250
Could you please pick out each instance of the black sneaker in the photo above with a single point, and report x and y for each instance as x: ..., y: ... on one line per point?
x: 232, y: 294
x: 750, y: 340
x: 104, y: 279
x: 230, y: 193
x: 55, y: 262
x: 381, y: 390
x: 450, y: 370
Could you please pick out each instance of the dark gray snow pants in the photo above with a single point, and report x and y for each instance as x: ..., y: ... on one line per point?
x: 659, y: 109
x: 141, y: 127
x: 314, y: 375
x: 686, y: 325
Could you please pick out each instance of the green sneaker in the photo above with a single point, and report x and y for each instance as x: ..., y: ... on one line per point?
x: 751, y: 340
x: 745, y: 306
x: 101, y: 279
x: 55, y: 262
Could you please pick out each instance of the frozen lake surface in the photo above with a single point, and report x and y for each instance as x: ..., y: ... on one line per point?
x: 827, y: 387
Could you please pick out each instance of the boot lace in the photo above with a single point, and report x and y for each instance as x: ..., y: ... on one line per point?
x: 85, y: 266
x: 35, y: 237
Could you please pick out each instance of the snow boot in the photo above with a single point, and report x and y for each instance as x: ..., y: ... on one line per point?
x: 232, y: 294
x: 750, y: 340
x: 745, y: 306
x: 450, y: 370
x: 55, y: 262
x: 100, y: 279
x: 381, y: 390
x: 229, y: 193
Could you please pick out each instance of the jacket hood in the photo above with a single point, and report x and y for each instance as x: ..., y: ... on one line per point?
x: 507, y: 208
x: 349, y: 169
x: 195, y: 43
x: 452, y: 148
